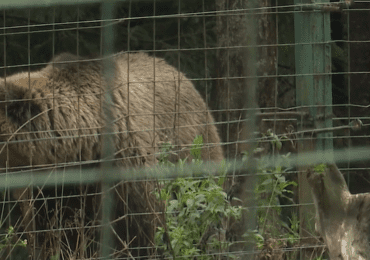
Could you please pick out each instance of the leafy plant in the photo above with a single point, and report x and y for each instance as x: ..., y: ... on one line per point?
x: 272, y: 186
x: 320, y: 168
x: 7, y: 239
x: 195, y: 208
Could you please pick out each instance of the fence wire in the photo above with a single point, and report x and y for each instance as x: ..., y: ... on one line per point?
x: 135, y: 182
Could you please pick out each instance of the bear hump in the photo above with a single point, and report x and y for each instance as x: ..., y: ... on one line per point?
x: 64, y: 59
x: 72, y: 62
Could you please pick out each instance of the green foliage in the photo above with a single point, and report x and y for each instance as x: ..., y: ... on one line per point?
x: 166, y: 151
x: 293, y: 235
x: 196, y: 205
x: 320, y: 258
x: 194, y: 208
x: 272, y: 186
x: 54, y: 257
x: 320, y: 168
x: 274, y: 139
x: 197, y: 148
x: 7, y: 240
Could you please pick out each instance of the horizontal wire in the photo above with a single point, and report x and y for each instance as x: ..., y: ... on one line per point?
x: 72, y: 176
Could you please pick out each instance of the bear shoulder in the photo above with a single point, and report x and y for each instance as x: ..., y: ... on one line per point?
x: 64, y: 60
x: 72, y: 64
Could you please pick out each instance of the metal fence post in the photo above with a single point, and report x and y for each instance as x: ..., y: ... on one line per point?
x: 313, y: 92
x: 108, y: 144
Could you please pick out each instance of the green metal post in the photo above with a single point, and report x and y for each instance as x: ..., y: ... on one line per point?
x: 313, y: 93
x: 313, y: 59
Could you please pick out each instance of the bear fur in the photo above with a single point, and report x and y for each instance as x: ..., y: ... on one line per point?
x: 54, y: 116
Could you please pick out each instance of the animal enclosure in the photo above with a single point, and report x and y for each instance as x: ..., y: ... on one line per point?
x: 172, y: 129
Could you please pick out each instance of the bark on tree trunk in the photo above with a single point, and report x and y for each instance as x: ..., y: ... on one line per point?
x: 231, y: 91
x: 342, y: 219
x: 230, y: 95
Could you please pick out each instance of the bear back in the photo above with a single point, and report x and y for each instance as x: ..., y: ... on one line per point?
x: 55, y: 115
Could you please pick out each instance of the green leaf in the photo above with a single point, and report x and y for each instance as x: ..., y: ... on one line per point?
x: 320, y: 168
x: 189, y: 202
x: 267, y: 182
x: 196, y: 149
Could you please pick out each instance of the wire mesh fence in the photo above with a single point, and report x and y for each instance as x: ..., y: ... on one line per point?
x: 162, y: 129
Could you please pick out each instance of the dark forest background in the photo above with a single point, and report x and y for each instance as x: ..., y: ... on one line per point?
x: 33, y: 36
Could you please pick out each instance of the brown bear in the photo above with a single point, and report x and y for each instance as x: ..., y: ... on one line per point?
x: 55, y: 116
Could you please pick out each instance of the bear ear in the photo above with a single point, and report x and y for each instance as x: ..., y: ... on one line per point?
x: 17, y: 103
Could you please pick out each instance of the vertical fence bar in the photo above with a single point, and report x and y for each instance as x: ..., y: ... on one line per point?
x: 322, y: 83
x: 108, y: 144
x: 252, y: 83
x: 313, y: 93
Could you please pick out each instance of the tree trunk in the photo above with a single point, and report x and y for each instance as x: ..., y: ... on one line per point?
x: 230, y: 94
